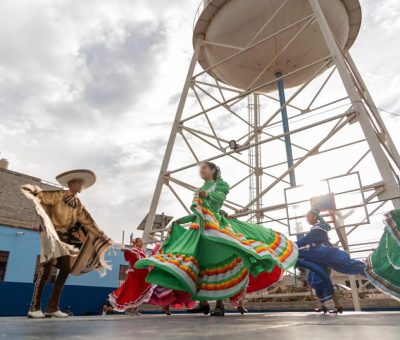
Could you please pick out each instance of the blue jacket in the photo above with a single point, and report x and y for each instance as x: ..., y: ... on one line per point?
x: 315, y: 237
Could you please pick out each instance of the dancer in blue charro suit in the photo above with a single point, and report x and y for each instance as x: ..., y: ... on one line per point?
x: 319, y: 256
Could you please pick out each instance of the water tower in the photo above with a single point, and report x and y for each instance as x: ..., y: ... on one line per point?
x: 291, y: 58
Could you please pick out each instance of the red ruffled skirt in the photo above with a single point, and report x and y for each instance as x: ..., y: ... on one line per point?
x: 165, y: 297
x: 133, y: 292
x: 261, y: 282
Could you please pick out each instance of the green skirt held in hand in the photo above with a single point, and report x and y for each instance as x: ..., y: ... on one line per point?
x: 383, y: 265
x: 213, y: 257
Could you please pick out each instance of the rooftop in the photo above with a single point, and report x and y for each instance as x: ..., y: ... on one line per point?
x: 15, y: 209
x: 160, y: 222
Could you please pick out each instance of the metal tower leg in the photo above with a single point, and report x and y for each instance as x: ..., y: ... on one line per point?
x: 257, y: 169
x: 384, y: 167
x: 171, y: 141
x: 385, y: 133
x: 352, y: 279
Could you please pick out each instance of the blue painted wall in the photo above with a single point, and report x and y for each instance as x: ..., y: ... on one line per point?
x: 84, y: 293
x: 23, y: 251
x: 84, y: 300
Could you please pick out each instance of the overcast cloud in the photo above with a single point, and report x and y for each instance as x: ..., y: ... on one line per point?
x: 94, y: 84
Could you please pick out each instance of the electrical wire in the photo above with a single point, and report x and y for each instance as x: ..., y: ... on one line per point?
x: 277, y: 124
x: 386, y: 111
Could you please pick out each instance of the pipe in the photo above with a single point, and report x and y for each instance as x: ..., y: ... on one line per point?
x: 285, y: 122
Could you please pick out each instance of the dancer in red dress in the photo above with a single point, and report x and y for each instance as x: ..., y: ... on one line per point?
x: 135, y: 289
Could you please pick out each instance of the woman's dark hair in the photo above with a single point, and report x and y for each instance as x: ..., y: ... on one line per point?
x: 135, y: 240
x: 213, y: 166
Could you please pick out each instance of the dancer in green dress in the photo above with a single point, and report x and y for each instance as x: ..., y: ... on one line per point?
x: 211, y: 256
x: 383, y: 265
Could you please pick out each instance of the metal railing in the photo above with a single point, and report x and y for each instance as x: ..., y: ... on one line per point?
x: 203, y: 4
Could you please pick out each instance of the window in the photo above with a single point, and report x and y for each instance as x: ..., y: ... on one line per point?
x: 53, y: 275
x: 3, y: 264
x: 123, y: 275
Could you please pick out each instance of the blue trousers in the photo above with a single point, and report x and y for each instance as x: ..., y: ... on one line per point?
x: 333, y: 258
x: 318, y: 278
x: 319, y: 259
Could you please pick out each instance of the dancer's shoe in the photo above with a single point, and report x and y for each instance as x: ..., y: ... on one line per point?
x: 337, y: 310
x: 242, y: 310
x: 166, y: 311
x: 219, y: 311
x: 134, y: 312
x: 321, y: 309
x: 37, y: 314
x: 57, y: 314
x: 205, y: 309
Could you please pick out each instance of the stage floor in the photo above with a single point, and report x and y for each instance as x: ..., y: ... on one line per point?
x: 282, y: 326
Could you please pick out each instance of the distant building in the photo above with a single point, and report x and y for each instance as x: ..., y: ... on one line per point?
x: 19, y: 255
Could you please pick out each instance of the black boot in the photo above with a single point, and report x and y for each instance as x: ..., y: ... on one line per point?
x: 242, y: 310
x: 321, y: 309
x: 337, y: 310
x: 219, y: 311
x: 166, y: 311
x: 205, y: 309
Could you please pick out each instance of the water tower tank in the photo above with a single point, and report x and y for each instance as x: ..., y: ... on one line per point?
x: 235, y: 22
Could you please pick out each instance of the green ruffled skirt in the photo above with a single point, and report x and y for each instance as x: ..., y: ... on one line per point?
x: 383, y: 265
x: 214, y: 257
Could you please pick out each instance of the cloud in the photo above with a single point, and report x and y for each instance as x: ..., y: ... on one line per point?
x: 95, y: 84
x: 81, y: 83
x: 385, y: 14
x: 116, y: 70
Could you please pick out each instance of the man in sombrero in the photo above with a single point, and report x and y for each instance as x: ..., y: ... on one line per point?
x: 70, y: 239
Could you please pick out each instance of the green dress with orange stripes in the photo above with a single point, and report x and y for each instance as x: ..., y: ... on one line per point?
x: 213, y: 257
x: 383, y: 265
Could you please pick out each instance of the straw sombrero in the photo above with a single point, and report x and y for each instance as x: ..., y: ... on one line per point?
x: 88, y: 176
